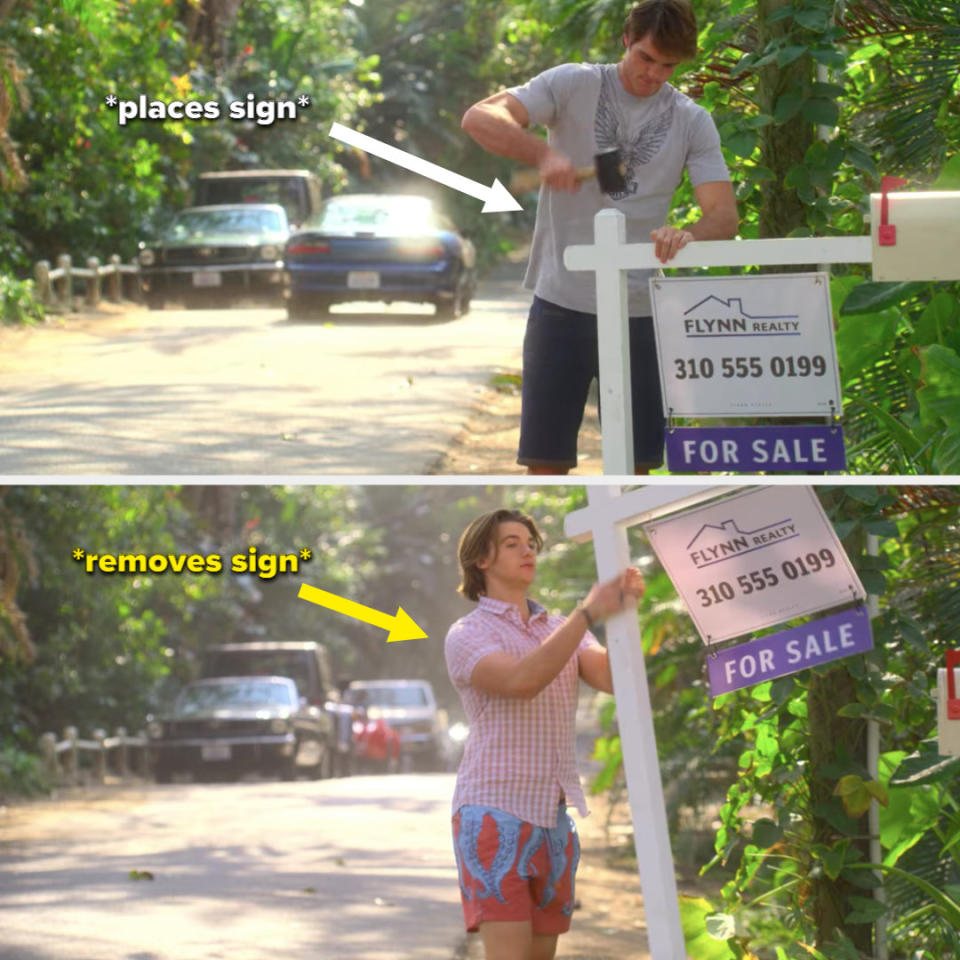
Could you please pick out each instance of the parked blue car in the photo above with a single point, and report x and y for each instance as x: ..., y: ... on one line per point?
x: 379, y: 247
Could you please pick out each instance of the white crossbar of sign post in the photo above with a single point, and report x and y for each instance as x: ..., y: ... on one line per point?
x: 610, y: 256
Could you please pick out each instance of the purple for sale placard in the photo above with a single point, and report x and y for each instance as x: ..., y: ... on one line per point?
x: 793, y: 448
x: 819, y: 641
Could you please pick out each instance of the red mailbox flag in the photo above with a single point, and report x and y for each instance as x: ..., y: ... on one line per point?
x: 887, y: 232
x: 953, y: 701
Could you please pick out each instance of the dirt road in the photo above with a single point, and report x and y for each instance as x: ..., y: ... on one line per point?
x: 370, y: 391
x: 349, y: 869
x: 355, y: 869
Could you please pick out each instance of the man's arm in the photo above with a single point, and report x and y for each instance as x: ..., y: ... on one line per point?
x: 595, y: 668
x: 719, y: 208
x: 499, y: 124
x: 523, y: 678
x: 719, y: 220
x: 504, y: 675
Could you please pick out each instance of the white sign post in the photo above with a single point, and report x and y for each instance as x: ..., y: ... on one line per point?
x: 605, y: 521
x: 610, y: 259
x: 929, y: 237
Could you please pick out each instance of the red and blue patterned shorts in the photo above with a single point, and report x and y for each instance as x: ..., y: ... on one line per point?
x: 513, y: 870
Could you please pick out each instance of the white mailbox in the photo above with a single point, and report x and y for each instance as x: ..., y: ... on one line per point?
x: 916, y: 235
x: 948, y: 706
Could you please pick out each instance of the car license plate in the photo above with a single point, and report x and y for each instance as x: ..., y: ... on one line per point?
x: 207, y: 278
x: 363, y: 280
x: 215, y: 751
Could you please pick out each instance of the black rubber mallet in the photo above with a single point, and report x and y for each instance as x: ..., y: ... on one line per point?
x: 608, y: 168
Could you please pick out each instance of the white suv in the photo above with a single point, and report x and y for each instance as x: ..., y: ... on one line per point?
x: 410, y: 708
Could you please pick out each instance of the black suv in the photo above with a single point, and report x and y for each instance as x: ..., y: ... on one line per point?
x: 306, y: 663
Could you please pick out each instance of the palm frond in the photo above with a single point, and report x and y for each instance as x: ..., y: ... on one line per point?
x: 907, y: 900
x: 883, y: 386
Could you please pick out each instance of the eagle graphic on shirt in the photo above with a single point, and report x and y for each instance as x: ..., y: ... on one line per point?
x: 611, y: 131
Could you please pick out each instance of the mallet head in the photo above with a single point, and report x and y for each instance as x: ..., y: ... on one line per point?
x: 611, y: 171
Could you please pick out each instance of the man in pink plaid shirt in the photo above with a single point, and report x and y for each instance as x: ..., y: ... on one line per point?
x: 517, y: 670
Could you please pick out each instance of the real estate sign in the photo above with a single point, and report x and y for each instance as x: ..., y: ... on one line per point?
x: 754, y: 560
x: 746, y: 346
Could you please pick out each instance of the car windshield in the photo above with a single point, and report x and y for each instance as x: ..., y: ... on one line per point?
x: 193, y: 222
x: 392, y: 696
x: 289, y: 192
x: 274, y: 663
x: 387, y: 214
x: 240, y: 695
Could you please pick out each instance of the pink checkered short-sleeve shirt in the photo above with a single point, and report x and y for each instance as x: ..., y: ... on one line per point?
x: 519, y: 756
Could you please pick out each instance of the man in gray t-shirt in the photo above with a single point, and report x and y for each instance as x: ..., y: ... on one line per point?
x: 660, y: 132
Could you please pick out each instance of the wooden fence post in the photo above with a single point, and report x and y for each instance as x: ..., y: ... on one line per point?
x: 93, y: 282
x: 136, y: 285
x: 42, y: 275
x: 73, y: 759
x: 144, y: 763
x: 48, y: 747
x: 113, y: 279
x: 65, y: 283
x: 121, y: 735
x: 100, y: 760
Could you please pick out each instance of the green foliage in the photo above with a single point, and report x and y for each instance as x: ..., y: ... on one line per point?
x: 94, y: 187
x: 90, y: 183
x: 18, y: 304
x: 817, y: 790
x: 898, y: 348
x: 791, y: 826
x: 704, y: 931
x: 21, y: 774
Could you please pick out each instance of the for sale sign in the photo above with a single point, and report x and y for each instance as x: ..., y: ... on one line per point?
x: 787, y: 448
x: 754, y: 560
x: 790, y: 651
x: 748, y: 346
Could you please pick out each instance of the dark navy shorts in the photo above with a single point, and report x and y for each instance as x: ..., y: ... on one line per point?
x: 560, y: 360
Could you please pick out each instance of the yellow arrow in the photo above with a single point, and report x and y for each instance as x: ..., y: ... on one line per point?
x: 400, y: 627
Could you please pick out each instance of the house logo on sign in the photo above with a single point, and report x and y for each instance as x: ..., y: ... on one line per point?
x: 719, y: 542
x: 715, y: 317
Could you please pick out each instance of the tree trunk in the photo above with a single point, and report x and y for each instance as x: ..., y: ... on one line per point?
x: 784, y: 145
x: 836, y: 739
x: 833, y: 738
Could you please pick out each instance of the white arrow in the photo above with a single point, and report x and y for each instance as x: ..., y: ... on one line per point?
x: 496, y: 199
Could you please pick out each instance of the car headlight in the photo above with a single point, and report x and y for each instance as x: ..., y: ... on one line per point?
x: 279, y: 725
x: 147, y: 257
x: 269, y: 252
x: 459, y: 732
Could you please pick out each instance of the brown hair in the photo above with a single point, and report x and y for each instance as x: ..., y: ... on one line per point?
x: 670, y: 24
x: 475, y: 546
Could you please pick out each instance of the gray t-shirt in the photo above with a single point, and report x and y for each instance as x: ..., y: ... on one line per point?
x: 587, y: 110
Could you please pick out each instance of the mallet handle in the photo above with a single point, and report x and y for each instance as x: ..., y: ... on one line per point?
x: 524, y: 180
